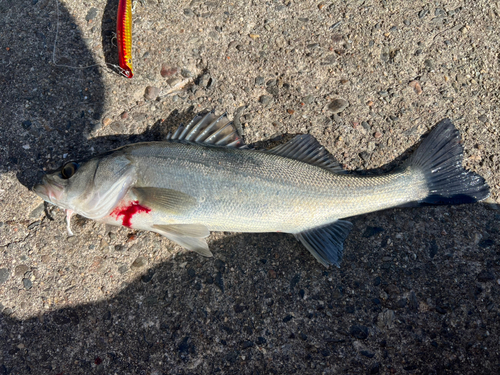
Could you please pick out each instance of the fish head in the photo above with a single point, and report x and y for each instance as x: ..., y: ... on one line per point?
x: 91, y: 188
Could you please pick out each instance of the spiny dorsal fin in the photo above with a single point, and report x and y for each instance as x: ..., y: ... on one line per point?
x: 307, y: 149
x: 209, y: 129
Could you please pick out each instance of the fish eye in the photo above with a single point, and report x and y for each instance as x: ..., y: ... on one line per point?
x: 69, y: 169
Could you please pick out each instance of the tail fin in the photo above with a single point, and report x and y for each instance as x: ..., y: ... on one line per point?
x: 440, y: 158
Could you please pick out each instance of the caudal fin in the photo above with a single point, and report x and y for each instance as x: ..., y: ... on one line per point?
x: 440, y: 158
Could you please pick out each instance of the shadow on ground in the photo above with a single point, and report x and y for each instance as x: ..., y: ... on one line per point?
x: 263, y: 305
x: 47, y: 109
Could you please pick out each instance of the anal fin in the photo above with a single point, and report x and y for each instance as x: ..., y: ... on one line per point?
x: 326, y: 243
x: 189, y: 236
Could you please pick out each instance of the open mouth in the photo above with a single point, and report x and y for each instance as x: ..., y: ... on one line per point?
x: 48, y: 191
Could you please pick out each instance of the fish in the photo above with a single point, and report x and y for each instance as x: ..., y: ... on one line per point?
x: 204, y: 178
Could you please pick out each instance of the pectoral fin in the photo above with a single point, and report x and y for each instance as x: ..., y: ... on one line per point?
x: 189, y: 236
x: 326, y: 243
x: 169, y: 201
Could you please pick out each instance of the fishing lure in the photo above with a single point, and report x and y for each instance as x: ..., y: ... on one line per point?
x: 124, y: 37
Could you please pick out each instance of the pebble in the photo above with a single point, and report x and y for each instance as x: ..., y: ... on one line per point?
x: 123, y: 269
x: 309, y: 99
x: 266, y: 99
x: 167, y: 71
x: 271, y: 274
x: 483, y: 118
x: 8, y: 311
x: 21, y: 270
x: 4, y: 275
x: 106, y: 121
x: 91, y: 14
x: 37, y: 212
x: 188, y: 12
x: 124, y: 115
x: 365, y: 156
x: 259, y: 81
x: 415, y: 85
x: 186, y: 73
x: 338, y: 105
x: 429, y: 64
x: 385, y: 319
x: 385, y: 56
x: 151, y: 92
x: 27, y: 284
x: 423, y: 13
x: 139, y: 262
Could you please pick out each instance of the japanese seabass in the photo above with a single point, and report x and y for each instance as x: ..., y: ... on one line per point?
x: 203, y: 178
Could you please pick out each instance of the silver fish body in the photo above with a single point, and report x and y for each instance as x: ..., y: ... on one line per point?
x: 186, y: 187
x: 248, y: 191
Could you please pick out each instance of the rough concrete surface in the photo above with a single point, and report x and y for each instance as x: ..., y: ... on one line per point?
x: 418, y: 291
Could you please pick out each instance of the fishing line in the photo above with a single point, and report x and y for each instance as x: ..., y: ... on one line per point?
x: 105, y: 66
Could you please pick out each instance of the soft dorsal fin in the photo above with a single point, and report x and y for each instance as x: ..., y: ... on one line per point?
x: 307, y: 149
x: 209, y: 129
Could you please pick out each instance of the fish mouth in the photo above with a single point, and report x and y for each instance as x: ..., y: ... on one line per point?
x: 48, y: 191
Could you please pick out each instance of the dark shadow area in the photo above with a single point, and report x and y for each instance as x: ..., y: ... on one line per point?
x: 264, y: 305
x: 108, y: 33
x: 46, y: 109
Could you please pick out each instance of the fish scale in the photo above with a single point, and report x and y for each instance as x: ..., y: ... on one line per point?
x: 183, y: 189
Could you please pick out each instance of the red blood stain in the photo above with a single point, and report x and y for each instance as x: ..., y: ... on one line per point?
x: 128, y: 212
